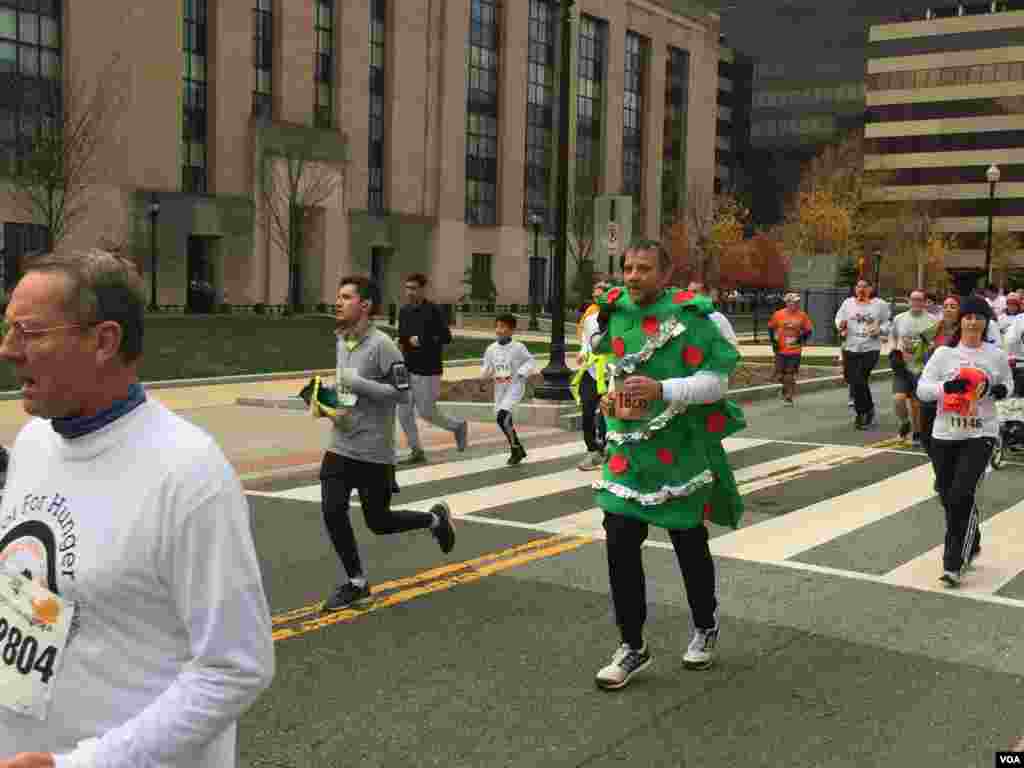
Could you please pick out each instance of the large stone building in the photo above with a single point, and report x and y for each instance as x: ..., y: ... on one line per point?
x: 433, y: 123
x: 945, y: 97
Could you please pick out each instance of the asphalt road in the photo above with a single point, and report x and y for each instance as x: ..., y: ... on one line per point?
x: 838, y: 645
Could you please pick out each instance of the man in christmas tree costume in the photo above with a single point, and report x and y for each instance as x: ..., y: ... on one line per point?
x: 667, y: 415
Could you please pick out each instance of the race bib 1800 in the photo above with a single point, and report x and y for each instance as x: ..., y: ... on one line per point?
x: 34, y: 626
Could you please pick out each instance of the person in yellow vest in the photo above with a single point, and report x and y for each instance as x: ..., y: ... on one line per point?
x: 588, y: 383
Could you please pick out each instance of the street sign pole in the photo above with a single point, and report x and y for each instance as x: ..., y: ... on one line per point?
x: 612, y: 245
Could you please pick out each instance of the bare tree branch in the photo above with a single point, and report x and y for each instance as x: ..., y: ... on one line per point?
x: 293, y: 187
x: 54, y: 165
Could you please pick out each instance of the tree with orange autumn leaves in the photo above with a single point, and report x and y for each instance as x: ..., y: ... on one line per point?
x: 702, y: 233
x: 843, y: 209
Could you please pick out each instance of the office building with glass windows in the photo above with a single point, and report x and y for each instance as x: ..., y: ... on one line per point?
x: 807, y: 84
x: 433, y: 125
x: 735, y: 97
x: 945, y: 99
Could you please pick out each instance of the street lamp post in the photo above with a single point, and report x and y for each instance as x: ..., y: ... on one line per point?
x: 535, y: 220
x: 966, y: 280
x: 154, y: 213
x: 557, y: 374
x: 992, y: 174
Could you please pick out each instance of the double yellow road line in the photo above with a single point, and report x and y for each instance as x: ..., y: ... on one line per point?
x: 301, y: 621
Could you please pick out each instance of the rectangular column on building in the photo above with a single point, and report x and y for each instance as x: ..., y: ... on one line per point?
x: 702, y: 110
x: 293, y: 62
x: 615, y: 83
x: 449, y: 240
x: 511, y: 270
x: 654, y: 134
x: 409, y: 82
x: 352, y: 108
x: 231, y: 82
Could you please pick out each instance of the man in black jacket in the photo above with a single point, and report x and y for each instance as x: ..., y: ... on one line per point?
x: 422, y: 333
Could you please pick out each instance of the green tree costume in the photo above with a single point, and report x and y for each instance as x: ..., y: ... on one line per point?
x: 669, y: 469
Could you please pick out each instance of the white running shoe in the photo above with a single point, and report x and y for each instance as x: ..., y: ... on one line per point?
x: 701, y: 652
x: 626, y: 662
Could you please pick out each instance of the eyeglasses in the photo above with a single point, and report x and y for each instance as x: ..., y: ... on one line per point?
x: 17, y: 334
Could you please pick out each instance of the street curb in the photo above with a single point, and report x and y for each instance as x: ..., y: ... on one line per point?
x: 244, y: 378
x: 551, y: 415
x: 253, y: 378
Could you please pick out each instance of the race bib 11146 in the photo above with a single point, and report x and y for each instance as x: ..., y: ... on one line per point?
x: 34, y: 625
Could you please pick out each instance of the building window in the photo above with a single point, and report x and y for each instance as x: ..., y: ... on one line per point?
x: 18, y: 242
x: 589, y: 97
x: 632, y: 110
x: 482, y: 114
x: 972, y: 74
x: 375, y: 198
x: 30, y: 60
x: 193, y: 172
x: 677, y: 89
x: 540, y: 97
x: 323, y: 64
x: 264, y: 58
x: 481, y: 277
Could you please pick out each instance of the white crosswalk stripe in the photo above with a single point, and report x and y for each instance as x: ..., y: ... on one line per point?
x: 837, y: 515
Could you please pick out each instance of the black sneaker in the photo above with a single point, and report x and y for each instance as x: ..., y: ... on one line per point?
x: 858, y: 422
x: 444, y: 531
x: 345, y: 595
x: 950, y: 579
x: 904, y: 430
x: 915, y: 440
x: 518, y: 454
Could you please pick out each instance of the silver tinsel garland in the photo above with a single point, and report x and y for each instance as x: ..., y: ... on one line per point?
x: 658, y: 422
x: 655, y: 498
x: 667, y: 330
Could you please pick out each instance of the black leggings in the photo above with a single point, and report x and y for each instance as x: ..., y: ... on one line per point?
x: 625, y: 539
x: 375, y: 482
x: 858, y: 370
x: 505, y: 422
x: 593, y: 419
x: 959, y: 469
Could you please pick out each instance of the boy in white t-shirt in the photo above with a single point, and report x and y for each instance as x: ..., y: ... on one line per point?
x: 510, y: 364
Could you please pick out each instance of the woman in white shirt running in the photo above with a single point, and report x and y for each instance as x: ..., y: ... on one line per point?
x: 966, y: 377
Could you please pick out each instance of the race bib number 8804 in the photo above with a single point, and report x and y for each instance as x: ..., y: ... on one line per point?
x: 34, y: 625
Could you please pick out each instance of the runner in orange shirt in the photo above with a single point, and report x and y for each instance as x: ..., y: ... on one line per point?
x: 788, y: 330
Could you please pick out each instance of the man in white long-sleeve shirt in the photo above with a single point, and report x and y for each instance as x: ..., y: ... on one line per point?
x: 720, y: 320
x: 127, y: 531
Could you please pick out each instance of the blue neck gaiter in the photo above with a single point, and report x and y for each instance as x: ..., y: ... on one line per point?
x: 70, y: 427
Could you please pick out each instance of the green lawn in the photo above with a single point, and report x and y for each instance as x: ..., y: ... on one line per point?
x: 185, y: 347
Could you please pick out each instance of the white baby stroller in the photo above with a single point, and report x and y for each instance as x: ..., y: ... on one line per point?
x: 1011, y: 419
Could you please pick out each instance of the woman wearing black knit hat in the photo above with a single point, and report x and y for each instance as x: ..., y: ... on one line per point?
x: 965, y: 377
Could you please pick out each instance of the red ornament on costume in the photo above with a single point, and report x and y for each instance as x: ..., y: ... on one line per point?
x: 681, y: 296
x: 618, y: 346
x: 618, y: 464
x: 613, y: 295
x: 716, y: 422
x: 693, y: 356
x: 651, y: 325
x: 665, y: 456
x: 707, y: 511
